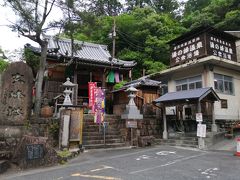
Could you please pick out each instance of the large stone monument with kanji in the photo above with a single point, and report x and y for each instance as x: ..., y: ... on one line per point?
x: 16, y: 94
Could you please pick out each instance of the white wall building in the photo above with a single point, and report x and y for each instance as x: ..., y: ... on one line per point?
x: 206, y: 57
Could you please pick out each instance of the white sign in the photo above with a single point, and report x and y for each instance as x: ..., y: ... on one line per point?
x: 171, y: 110
x: 201, y: 130
x: 131, y: 124
x: 199, y: 117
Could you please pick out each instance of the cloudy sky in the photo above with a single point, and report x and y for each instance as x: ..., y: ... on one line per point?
x: 10, y: 40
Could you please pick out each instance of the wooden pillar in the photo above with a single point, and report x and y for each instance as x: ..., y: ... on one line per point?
x: 75, y: 77
x: 214, y: 126
x: 165, y: 133
x: 103, y: 79
x: 90, y: 76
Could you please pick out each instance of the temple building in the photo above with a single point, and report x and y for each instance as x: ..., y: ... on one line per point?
x: 88, y: 62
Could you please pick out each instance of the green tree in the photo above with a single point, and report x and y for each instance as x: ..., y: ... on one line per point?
x: 223, y: 14
x: 194, y: 5
x: 105, y: 7
x: 31, y: 21
x: 144, y: 38
x: 3, y: 63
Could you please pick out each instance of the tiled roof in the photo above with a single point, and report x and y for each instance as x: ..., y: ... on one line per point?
x: 143, y: 81
x: 84, y: 53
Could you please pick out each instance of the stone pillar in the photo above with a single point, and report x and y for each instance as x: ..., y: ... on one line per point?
x: 214, y: 126
x: 165, y: 133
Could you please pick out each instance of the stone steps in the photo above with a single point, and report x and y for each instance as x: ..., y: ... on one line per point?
x: 97, y: 133
x: 100, y: 137
x: 100, y: 146
x: 101, y: 141
x: 93, y: 139
x: 4, y: 165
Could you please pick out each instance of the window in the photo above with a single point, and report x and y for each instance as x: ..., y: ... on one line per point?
x: 189, y: 83
x: 224, y: 104
x: 223, y: 84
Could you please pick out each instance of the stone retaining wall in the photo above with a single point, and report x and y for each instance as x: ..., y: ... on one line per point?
x: 148, y: 128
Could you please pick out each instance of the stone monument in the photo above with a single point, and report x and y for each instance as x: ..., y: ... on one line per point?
x: 16, y: 94
x: 131, y: 111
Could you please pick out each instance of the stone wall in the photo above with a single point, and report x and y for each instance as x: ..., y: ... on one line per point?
x: 146, y: 128
x: 34, y: 151
x: 10, y: 136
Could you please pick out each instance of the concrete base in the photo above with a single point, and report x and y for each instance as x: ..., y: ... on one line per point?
x: 214, y: 128
x: 131, y: 112
x: 201, y: 143
x: 165, y: 135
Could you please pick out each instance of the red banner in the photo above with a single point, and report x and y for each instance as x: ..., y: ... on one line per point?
x: 91, y: 88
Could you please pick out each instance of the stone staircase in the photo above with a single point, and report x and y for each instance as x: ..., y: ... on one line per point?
x: 180, y: 140
x: 94, y: 139
x: 5, y: 155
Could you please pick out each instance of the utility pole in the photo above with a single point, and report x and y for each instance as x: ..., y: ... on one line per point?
x: 114, y: 37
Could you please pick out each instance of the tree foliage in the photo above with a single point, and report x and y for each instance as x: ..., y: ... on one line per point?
x: 3, y: 63
x: 105, y: 7
x: 223, y: 14
x: 142, y: 36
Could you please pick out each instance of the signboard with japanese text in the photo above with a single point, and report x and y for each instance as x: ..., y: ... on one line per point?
x: 91, y: 88
x: 220, y: 47
x: 99, y: 105
x: 188, y: 50
x: 131, y: 124
x: 202, y: 45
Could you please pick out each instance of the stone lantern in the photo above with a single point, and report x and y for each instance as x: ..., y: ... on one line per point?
x: 68, y: 90
x: 131, y: 111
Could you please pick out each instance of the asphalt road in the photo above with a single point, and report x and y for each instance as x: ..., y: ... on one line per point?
x: 158, y: 163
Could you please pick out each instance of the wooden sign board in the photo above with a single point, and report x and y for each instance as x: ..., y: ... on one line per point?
x: 208, y: 43
x: 131, y: 124
x: 75, y: 125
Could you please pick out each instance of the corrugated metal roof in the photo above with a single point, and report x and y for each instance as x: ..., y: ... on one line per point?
x: 190, y: 95
x: 85, y: 52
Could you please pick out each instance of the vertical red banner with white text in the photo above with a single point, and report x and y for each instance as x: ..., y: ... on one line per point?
x: 91, y: 88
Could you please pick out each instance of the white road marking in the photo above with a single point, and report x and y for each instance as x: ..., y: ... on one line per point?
x: 95, y: 176
x: 168, y: 163
x: 143, y: 157
x: 165, y: 153
x: 209, y: 172
x: 100, y: 169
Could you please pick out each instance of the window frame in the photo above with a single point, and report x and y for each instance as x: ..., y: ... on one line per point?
x: 223, y: 84
x: 184, y: 84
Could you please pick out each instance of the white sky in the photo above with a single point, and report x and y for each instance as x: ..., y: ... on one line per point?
x: 10, y: 40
